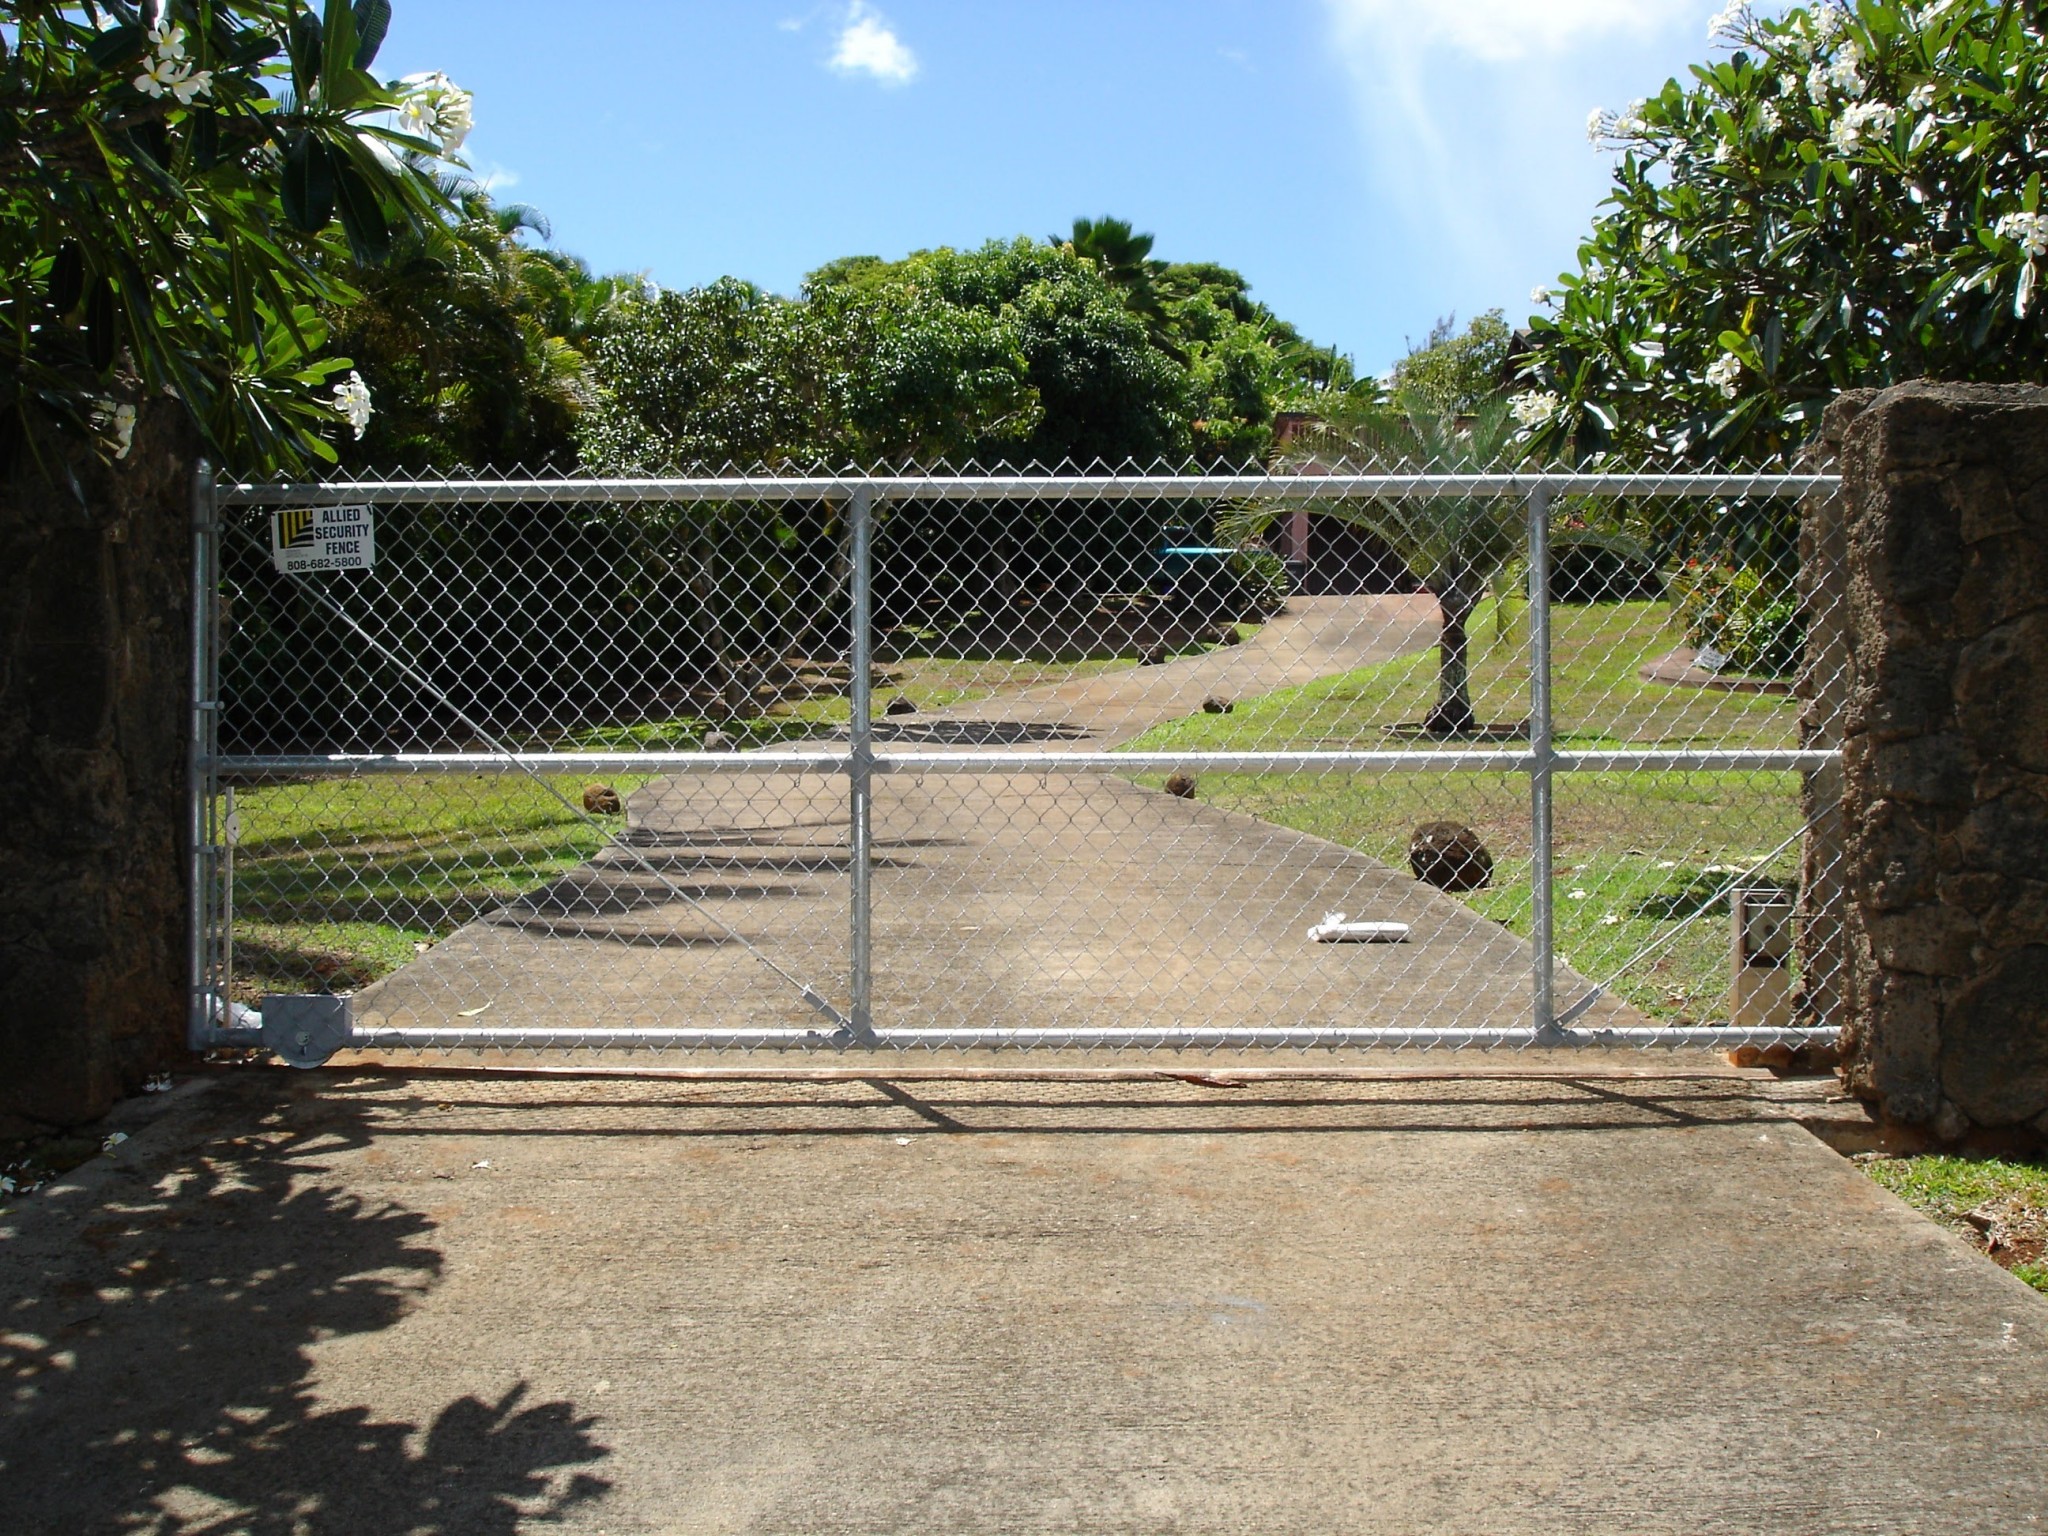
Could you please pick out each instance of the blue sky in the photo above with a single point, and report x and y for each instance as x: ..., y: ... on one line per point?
x: 1367, y: 164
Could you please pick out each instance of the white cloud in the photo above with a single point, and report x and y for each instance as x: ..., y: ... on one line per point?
x: 869, y: 46
x: 496, y: 178
x: 1472, y: 120
x: 1501, y: 31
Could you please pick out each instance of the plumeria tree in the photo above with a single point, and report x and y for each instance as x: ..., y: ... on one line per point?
x: 1847, y: 196
x: 170, y: 170
x: 178, y: 182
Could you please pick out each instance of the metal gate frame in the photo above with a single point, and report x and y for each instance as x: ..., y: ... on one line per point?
x: 305, y: 1031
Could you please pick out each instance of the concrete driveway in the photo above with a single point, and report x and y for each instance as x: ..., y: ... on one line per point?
x: 344, y: 1303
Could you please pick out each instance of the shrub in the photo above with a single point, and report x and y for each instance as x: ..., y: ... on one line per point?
x: 1260, y: 585
x: 1750, y: 617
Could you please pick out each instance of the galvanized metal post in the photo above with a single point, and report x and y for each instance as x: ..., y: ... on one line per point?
x: 200, y: 749
x: 861, y: 767
x: 1542, y: 768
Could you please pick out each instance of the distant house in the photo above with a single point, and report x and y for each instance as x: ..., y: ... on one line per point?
x: 1326, y: 556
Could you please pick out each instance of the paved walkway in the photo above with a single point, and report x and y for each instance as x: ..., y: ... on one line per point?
x: 338, y: 1304
x: 1316, y: 637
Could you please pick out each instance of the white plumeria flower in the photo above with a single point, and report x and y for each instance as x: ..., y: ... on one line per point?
x: 1596, y: 126
x: 1539, y: 295
x: 1725, y: 374
x: 169, y: 73
x: 116, y: 418
x: 436, y: 108
x: 1724, y: 152
x: 1846, y: 76
x: 168, y: 39
x: 352, y: 402
x: 1732, y: 21
x: 1862, y: 120
x: 1537, y: 408
x: 159, y: 76
x: 1769, y: 118
x: 1921, y: 98
x: 1788, y: 86
x: 2029, y: 231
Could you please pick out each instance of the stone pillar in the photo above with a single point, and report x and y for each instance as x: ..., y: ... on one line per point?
x: 1945, y: 761
x: 94, y: 679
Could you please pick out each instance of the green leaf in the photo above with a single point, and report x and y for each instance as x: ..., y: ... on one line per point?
x: 362, y: 217
x: 304, y: 44
x: 102, y: 325
x: 308, y: 184
x: 338, y: 46
x: 373, y: 20
x: 2030, y: 198
x: 152, y: 142
x: 205, y: 139
x: 254, y: 49
x: 67, y: 278
x: 117, y: 46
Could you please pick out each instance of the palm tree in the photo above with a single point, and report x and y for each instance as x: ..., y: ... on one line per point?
x: 468, y: 338
x: 1124, y: 257
x: 1456, y: 548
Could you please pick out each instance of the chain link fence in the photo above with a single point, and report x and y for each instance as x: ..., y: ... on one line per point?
x: 1343, y: 758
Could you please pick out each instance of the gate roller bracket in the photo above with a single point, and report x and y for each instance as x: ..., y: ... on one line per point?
x: 305, y: 1030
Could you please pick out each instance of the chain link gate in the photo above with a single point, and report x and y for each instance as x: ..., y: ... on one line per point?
x: 964, y: 762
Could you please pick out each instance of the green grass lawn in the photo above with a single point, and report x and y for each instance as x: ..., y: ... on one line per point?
x: 339, y: 881
x: 1641, y: 858
x: 1949, y: 1188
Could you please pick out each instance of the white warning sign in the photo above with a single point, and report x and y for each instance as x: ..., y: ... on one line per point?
x: 304, y: 539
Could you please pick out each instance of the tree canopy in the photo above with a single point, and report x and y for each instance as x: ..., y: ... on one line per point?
x: 1852, y: 196
x: 472, y: 343
x: 1078, y: 352
x: 1455, y: 373
x: 169, y: 172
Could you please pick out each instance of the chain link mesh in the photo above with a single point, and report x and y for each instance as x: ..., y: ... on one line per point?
x: 1126, y: 758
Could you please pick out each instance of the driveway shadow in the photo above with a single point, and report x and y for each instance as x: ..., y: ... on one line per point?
x: 155, y: 1351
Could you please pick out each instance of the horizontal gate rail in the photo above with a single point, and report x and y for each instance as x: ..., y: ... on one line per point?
x: 1340, y: 1038
x: 989, y: 488
x: 832, y: 764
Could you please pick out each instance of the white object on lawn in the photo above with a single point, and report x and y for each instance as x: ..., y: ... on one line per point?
x: 1337, y: 928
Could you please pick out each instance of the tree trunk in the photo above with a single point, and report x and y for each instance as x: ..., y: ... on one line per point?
x: 1453, y: 713
x: 94, y: 674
